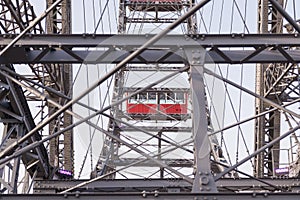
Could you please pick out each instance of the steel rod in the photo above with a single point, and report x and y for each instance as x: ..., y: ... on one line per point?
x: 251, y: 118
x: 274, y: 141
x: 251, y: 93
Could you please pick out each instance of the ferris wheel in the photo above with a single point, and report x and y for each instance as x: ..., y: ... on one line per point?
x: 183, y: 93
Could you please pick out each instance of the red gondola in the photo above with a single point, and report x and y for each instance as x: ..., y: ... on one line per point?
x: 159, y: 102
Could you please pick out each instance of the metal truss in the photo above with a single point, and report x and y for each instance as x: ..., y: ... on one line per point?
x: 16, y: 15
x: 275, y: 81
x: 17, y: 119
x: 61, y: 148
x: 59, y: 49
x: 164, y: 13
x: 156, y: 195
x: 267, y: 126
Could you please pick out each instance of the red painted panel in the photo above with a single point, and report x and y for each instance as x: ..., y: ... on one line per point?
x: 173, y: 108
x: 151, y: 1
x: 141, y: 108
x: 151, y: 108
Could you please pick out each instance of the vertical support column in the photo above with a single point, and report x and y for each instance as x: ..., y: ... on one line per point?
x: 267, y: 127
x: 61, y: 148
x: 258, y: 171
x: 203, y: 181
x: 259, y: 122
x: 159, y: 134
x: 122, y: 17
x: 192, y: 21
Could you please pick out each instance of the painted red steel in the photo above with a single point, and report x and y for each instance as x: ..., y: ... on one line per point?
x: 154, y: 1
x: 152, y: 108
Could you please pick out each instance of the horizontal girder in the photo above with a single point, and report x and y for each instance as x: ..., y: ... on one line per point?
x: 159, y: 129
x: 165, y: 185
x: 155, y: 195
x: 135, y: 41
x: 149, y: 163
x: 24, y: 56
x: 233, y: 48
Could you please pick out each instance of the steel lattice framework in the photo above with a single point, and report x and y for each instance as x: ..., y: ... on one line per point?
x: 39, y: 120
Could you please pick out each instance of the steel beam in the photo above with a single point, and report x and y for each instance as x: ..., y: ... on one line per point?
x: 162, y: 129
x: 165, y: 185
x: 151, y: 56
x: 154, y: 195
x: 150, y: 163
x: 114, y: 49
x: 203, y: 181
x: 133, y: 41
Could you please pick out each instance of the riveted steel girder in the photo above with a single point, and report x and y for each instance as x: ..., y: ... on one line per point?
x: 114, y: 48
x: 134, y: 41
x: 166, y: 185
x: 156, y: 196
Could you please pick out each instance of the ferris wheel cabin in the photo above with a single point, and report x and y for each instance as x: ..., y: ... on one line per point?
x: 163, y: 103
x: 156, y: 5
